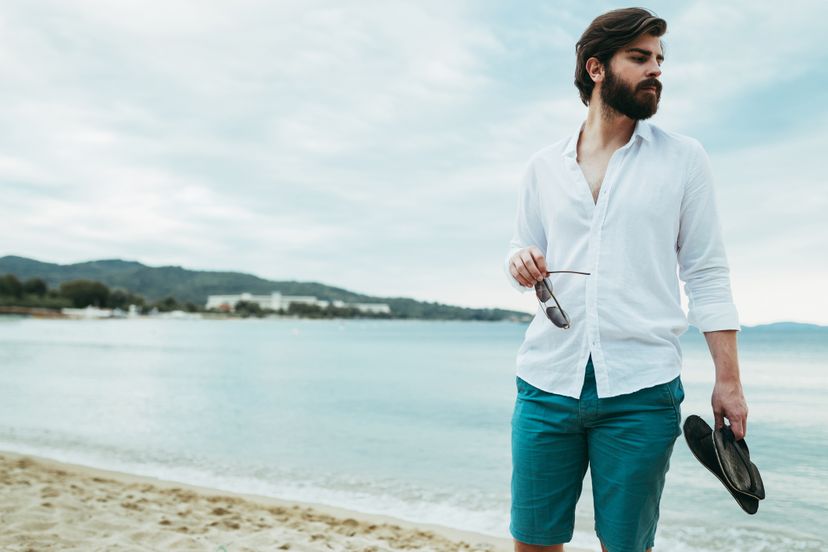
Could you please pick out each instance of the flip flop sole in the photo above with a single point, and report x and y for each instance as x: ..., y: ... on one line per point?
x: 734, y: 457
x: 699, y: 437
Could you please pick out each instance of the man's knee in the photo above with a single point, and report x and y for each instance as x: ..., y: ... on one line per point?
x: 523, y: 547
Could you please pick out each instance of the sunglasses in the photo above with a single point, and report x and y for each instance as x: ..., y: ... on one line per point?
x: 555, y: 313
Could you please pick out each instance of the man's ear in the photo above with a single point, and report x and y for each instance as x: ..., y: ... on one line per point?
x: 595, y: 69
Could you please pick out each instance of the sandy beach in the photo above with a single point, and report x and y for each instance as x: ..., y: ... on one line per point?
x: 49, y: 505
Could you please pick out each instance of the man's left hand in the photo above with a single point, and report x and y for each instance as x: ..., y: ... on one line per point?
x: 728, y: 401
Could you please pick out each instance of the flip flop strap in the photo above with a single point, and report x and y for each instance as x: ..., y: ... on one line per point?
x: 746, y: 461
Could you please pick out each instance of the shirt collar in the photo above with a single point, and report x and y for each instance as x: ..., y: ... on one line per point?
x: 642, y: 129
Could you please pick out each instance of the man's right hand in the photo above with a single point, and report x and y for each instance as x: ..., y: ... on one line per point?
x: 528, y: 266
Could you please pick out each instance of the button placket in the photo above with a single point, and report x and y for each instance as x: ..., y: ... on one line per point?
x: 596, y: 231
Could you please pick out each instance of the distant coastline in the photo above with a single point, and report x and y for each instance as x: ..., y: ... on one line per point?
x: 128, y: 285
x: 33, y: 312
x: 177, y: 292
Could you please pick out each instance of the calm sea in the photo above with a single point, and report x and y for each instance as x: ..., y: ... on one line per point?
x: 407, y: 418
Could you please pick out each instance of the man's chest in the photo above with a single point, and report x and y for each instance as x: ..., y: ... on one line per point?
x: 594, y: 168
x: 635, y: 192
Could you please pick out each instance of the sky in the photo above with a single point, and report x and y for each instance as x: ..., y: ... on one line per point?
x: 378, y: 146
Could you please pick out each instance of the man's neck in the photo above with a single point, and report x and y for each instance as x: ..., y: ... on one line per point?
x: 605, y: 128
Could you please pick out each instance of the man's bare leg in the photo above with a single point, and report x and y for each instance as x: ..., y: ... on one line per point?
x: 523, y: 547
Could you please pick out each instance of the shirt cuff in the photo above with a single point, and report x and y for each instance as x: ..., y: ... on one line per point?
x: 714, y: 317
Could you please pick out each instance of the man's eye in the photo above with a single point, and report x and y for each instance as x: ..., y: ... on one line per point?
x: 641, y: 59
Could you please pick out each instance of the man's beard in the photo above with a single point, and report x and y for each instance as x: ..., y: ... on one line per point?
x: 629, y: 101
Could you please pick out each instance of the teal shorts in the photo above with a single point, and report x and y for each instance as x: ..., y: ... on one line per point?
x: 625, y: 440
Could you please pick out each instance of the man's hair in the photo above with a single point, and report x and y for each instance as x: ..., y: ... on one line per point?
x: 606, y: 35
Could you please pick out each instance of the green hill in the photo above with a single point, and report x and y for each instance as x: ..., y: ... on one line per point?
x: 155, y: 283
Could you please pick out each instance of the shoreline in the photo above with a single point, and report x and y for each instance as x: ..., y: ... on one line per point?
x: 44, y: 313
x: 52, y: 505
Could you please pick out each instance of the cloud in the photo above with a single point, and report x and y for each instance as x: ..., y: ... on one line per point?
x: 724, y: 53
x: 373, y: 147
x: 773, y: 200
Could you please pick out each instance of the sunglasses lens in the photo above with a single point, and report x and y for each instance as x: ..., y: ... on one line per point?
x: 558, y: 317
x: 542, y: 291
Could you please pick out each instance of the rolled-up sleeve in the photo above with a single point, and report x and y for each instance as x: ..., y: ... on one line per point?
x: 528, y: 227
x: 702, y: 260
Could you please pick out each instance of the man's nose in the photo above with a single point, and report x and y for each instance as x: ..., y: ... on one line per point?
x: 653, y: 70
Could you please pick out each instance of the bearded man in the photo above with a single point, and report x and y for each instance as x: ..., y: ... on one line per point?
x: 605, y: 217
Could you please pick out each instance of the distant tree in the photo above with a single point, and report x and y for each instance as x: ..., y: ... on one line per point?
x: 35, y: 286
x: 83, y: 293
x: 122, y: 299
x: 315, y: 311
x: 305, y: 310
x: 168, y: 304
x: 10, y: 286
x: 341, y: 312
x: 190, y: 307
x: 248, y: 308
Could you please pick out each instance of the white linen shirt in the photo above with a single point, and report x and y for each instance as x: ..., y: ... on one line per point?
x: 656, y: 210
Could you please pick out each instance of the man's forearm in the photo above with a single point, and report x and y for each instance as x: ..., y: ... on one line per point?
x: 722, y: 345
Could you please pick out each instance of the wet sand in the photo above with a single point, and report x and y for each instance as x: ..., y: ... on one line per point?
x: 49, y: 505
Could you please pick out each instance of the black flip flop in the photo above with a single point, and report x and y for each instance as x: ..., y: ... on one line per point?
x: 734, y: 458
x: 700, y: 439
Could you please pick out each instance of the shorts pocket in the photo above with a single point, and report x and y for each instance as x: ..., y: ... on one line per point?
x: 675, y: 390
x: 524, y: 388
x: 520, y: 399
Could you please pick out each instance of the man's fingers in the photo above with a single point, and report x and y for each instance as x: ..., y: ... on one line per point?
x: 520, y: 272
x: 530, y: 270
x: 737, y: 427
x: 540, y: 262
x: 531, y: 266
x: 728, y: 401
x: 528, y: 266
x: 719, y: 420
x: 518, y: 269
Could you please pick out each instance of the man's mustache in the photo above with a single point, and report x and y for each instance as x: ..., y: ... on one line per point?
x: 651, y: 83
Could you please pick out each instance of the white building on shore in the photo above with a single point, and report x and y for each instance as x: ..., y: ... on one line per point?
x: 277, y: 301
x: 88, y: 312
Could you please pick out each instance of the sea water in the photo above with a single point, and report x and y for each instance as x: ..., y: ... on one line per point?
x: 405, y: 418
